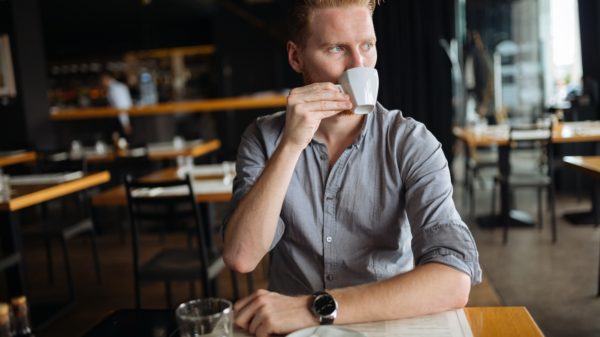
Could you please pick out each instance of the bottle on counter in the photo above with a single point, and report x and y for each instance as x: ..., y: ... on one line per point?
x: 20, y: 321
x: 5, y: 330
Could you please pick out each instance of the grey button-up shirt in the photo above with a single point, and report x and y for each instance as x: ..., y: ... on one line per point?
x: 384, y: 206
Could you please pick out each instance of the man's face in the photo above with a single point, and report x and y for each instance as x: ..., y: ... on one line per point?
x: 338, y: 39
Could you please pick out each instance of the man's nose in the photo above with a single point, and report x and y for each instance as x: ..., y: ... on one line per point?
x: 356, y: 59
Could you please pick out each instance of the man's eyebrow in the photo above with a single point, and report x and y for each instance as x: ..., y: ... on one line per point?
x: 331, y: 44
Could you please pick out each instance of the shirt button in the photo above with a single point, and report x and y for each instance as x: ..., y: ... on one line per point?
x: 328, y: 239
x: 323, y: 157
x: 329, y: 277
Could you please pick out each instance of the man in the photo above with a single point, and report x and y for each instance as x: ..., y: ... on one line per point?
x: 118, y: 97
x: 357, y: 205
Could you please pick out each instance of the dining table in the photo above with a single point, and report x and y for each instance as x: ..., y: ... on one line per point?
x: 16, y: 157
x: 562, y: 133
x: 499, y: 321
x: 157, y: 151
x: 210, y: 184
x: 589, y: 165
x: 27, y: 191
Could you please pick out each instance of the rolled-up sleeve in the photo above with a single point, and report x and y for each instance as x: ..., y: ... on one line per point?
x: 251, y: 160
x: 439, y: 234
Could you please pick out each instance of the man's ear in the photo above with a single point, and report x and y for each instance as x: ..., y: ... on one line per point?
x: 294, y: 57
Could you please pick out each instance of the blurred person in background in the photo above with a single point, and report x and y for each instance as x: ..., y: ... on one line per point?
x: 118, y: 96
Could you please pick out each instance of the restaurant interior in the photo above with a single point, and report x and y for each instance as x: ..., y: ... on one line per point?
x: 510, y: 88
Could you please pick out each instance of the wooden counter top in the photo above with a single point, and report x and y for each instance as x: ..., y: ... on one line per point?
x: 17, y: 158
x: 196, y: 106
x: 586, y: 164
x: 501, y: 322
x: 29, y: 195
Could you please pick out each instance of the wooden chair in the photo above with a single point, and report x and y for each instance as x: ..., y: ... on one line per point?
x: 171, y: 206
x: 539, y: 140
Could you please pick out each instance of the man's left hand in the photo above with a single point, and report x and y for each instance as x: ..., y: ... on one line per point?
x: 264, y: 313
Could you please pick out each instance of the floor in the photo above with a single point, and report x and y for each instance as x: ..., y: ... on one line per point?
x: 556, y: 282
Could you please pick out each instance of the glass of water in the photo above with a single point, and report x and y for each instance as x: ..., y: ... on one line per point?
x: 208, y: 317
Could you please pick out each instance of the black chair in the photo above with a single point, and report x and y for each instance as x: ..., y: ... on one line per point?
x: 478, y: 159
x: 73, y: 221
x: 63, y: 230
x: 171, y: 206
x: 535, y: 139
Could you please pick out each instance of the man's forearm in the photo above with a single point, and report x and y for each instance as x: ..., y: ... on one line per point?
x: 427, y: 289
x: 251, y: 228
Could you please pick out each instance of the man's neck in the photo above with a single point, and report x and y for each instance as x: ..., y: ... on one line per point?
x: 339, y: 132
x: 339, y: 128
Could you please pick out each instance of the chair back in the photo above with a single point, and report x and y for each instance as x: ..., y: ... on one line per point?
x: 164, y: 205
x: 534, y: 136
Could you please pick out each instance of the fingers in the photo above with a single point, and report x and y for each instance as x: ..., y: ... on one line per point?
x: 316, y: 92
x: 327, y: 106
x: 244, y: 301
x: 246, y: 309
x: 315, y: 87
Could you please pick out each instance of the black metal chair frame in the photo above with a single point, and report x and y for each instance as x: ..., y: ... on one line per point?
x: 534, y: 180
x: 209, y: 265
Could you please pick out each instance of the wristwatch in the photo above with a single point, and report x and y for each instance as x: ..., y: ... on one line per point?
x: 324, y: 307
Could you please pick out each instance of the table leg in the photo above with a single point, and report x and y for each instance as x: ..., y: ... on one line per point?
x: 507, y: 217
x: 11, y: 243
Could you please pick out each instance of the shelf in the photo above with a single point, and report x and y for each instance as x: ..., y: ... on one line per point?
x: 197, y: 106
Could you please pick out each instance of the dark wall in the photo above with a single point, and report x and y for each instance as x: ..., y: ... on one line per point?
x: 25, y: 119
x: 80, y: 29
x: 589, y: 14
x: 414, y: 71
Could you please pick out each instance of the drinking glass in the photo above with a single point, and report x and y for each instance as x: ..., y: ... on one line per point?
x: 205, y: 317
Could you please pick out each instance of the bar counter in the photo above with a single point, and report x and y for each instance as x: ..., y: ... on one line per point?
x: 195, y: 106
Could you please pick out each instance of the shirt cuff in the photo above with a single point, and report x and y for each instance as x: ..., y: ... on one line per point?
x: 449, y: 244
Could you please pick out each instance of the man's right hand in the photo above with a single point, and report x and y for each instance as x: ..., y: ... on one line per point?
x: 307, y: 106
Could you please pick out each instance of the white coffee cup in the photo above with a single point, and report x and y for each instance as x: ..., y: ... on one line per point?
x: 362, y: 85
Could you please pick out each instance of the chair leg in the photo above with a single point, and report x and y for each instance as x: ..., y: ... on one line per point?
x: 553, y: 213
x: 138, y: 299
x: 235, y: 286
x: 471, y: 191
x: 250, y: 282
x: 214, y: 288
x: 68, y: 269
x: 540, y: 208
x: 494, y: 197
x: 168, y: 294
x: 192, y: 289
x: 96, y: 257
x: 49, y: 260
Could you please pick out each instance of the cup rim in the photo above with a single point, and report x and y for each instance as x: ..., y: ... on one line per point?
x: 225, y: 311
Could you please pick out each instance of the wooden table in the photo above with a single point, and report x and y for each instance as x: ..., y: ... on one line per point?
x: 17, y: 158
x: 196, y: 106
x: 567, y: 132
x: 484, y: 321
x: 154, y: 151
x: 589, y: 165
x: 29, y: 195
x: 116, y: 196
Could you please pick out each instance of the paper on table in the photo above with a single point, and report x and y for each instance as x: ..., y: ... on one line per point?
x: 45, y: 178
x: 200, y: 187
x: 220, y: 169
x: 446, y: 324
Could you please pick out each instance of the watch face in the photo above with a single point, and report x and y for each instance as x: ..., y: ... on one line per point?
x: 324, y: 305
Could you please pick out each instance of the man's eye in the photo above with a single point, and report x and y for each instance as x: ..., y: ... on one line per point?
x: 336, y: 49
x: 368, y: 46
